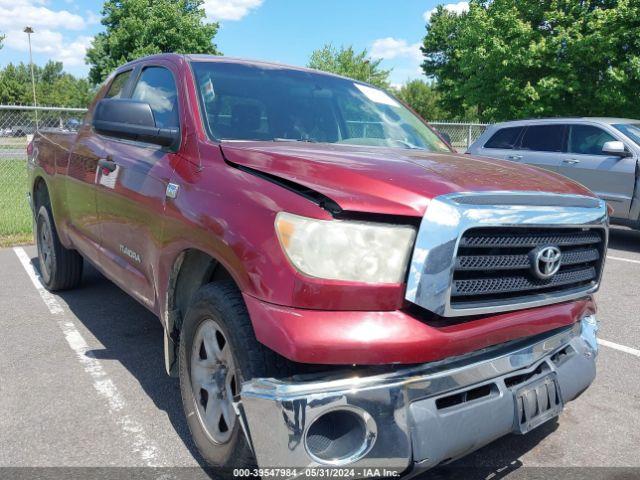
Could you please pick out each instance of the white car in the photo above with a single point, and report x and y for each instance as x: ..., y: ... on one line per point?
x: 600, y: 153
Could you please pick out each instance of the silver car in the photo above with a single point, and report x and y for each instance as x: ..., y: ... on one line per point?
x: 600, y: 153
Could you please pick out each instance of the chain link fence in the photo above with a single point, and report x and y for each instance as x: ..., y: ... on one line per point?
x: 460, y: 135
x: 17, y: 123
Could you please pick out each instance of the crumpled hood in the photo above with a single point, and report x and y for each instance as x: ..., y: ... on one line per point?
x: 389, y: 180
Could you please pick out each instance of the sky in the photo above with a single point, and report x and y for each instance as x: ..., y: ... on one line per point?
x: 285, y: 31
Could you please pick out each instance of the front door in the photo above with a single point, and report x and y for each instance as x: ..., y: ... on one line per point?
x: 610, y: 177
x: 131, y: 197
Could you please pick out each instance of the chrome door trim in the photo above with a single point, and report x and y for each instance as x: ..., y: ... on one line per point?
x: 448, y: 216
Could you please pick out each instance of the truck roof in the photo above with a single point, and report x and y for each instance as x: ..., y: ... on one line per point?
x: 190, y: 57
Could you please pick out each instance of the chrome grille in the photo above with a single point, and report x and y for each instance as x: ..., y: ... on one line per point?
x: 485, y: 239
x: 492, y: 264
x: 510, y: 262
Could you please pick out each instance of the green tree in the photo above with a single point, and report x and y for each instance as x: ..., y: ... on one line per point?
x: 135, y: 28
x: 533, y: 58
x: 346, y: 62
x: 54, y: 87
x: 14, y: 80
x: 423, y: 98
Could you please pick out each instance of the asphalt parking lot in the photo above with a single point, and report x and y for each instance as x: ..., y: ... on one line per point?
x: 82, y: 381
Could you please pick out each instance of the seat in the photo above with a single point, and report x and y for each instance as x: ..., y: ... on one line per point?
x: 245, y: 122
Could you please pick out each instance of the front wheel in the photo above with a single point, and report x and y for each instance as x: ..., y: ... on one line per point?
x: 218, y: 351
x: 60, y: 268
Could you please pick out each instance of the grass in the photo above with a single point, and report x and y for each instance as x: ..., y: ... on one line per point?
x: 15, y: 215
x: 16, y: 239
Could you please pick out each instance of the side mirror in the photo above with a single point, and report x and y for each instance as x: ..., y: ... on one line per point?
x: 131, y: 120
x: 615, y: 148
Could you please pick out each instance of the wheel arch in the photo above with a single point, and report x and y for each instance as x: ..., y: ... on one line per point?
x: 40, y: 193
x: 191, y: 269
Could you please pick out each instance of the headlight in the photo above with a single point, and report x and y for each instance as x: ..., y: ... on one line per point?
x: 346, y: 250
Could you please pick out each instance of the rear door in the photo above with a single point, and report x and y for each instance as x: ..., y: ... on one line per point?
x: 611, y: 177
x: 131, y: 198
x: 82, y: 174
x: 501, y: 144
x: 542, y: 146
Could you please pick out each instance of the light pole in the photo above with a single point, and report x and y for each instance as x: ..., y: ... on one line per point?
x: 28, y: 30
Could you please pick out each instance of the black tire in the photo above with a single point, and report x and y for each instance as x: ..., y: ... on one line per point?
x: 60, y: 268
x: 223, y: 303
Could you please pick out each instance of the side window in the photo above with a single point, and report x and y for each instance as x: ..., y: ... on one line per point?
x: 587, y: 139
x: 115, y: 90
x: 544, y: 138
x: 157, y: 87
x: 504, y: 138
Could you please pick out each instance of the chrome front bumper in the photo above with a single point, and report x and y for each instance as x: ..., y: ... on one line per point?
x: 415, y: 417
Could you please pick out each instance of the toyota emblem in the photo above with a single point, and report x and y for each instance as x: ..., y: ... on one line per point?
x: 545, y: 261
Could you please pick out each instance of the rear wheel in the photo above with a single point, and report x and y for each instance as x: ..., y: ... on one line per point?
x: 60, y: 268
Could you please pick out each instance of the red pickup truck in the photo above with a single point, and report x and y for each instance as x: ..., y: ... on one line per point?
x: 338, y: 287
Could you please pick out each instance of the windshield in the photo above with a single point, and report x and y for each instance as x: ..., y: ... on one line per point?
x: 631, y: 130
x: 250, y: 102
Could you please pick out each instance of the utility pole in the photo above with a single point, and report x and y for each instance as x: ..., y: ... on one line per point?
x: 28, y: 30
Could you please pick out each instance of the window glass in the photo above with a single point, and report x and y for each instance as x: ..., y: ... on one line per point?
x: 255, y: 102
x: 631, y: 130
x: 245, y: 116
x: 543, y: 138
x: 360, y: 121
x: 115, y: 90
x: 505, y: 138
x: 157, y: 87
x: 587, y: 139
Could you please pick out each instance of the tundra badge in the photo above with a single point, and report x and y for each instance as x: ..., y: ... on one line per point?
x: 135, y: 256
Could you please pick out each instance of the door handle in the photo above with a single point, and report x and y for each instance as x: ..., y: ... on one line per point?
x: 514, y: 157
x: 570, y: 161
x: 107, y: 164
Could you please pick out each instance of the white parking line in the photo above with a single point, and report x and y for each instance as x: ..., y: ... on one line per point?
x: 620, y: 259
x: 50, y: 301
x: 105, y: 387
x: 617, y: 346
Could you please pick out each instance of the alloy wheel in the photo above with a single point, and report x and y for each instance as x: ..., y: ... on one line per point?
x: 214, y: 381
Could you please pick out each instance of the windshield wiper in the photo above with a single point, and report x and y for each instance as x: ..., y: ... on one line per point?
x: 408, y: 145
x: 309, y: 140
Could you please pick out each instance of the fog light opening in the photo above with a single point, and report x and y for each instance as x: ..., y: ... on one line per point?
x: 340, y: 437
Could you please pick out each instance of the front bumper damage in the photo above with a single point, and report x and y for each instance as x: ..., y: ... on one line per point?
x: 416, y: 417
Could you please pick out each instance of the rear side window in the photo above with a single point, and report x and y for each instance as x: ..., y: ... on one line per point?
x: 544, y: 138
x: 157, y: 87
x: 115, y: 90
x: 505, y: 138
x: 587, y: 139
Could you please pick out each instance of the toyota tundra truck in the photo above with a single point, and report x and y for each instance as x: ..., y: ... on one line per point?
x: 337, y: 287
